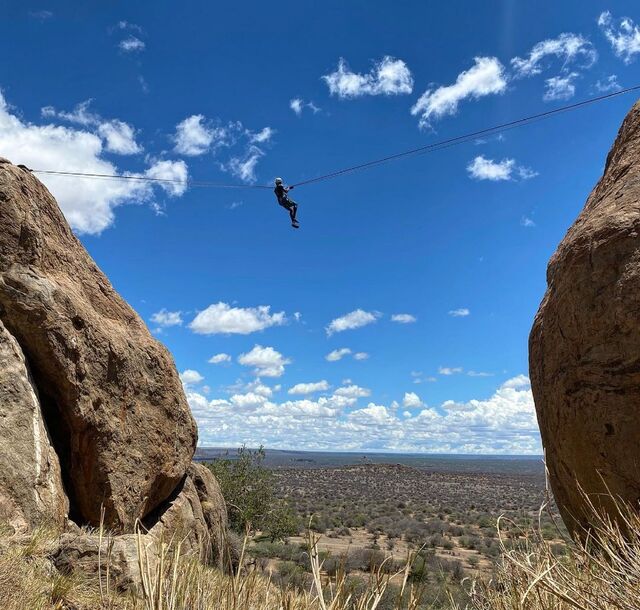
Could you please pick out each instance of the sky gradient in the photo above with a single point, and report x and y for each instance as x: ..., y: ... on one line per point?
x: 397, y: 317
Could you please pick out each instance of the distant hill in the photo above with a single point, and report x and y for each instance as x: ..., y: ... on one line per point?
x: 276, y: 458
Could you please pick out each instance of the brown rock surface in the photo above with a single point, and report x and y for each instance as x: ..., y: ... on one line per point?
x: 110, y: 393
x: 95, y: 557
x: 31, y: 489
x: 584, y: 348
x: 196, y: 516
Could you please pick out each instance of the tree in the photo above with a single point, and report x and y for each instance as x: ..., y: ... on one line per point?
x: 248, y: 488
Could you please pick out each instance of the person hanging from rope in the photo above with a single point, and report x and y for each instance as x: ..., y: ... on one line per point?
x: 282, y: 193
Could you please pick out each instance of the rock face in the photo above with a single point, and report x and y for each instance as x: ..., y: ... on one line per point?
x: 109, y: 392
x: 195, y: 516
x: 584, y: 348
x: 31, y: 490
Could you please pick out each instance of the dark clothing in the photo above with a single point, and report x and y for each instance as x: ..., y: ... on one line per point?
x: 283, y: 199
x: 281, y: 194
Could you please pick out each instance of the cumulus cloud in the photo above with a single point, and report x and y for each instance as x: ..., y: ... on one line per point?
x: 462, y: 312
x: 222, y: 318
x: 219, y: 358
x: 527, y: 222
x: 411, y: 400
x: 172, y: 176
x: 119, y: 137
x: 560, y: 87
x: 337, y: 354
x: 266, y: 361
x: 131, y: 44
x: 167, y: 318
x: 194, y: 136
x: 87, y: 204
x: 485, y: 77
x: 350, y: 321
x: 353, y: 391
x: 503, y: 423
x: 623, y: 36
x: 389, y: 76
x: 310, y: 388
x: 570, y: 48
x: 361, y: 356
x: 482, y: 168
x: 190, y: 377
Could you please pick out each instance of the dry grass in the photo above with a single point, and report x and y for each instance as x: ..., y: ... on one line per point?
x: 600, y: 573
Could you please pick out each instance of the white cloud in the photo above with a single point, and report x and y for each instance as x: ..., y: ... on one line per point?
x: 221, y: 318
x: 403, y: 318
x: 219, y: 358
x: 482, y: 168
x: 262, y: 136
x: 131, y: 44
x: 609, y: 84
x: 527, y: 222
x: 244, y: 167
x: 296, y: 104
x: 560, y: 87
x: 120, y: 137
x: 309, y: 388
x: 167, y: 318
x: 623, y: 35
x: 350, y: 321
x: 460, y: 313
x: 567, y: 47
x: 87, y: 204
x: 485, y: 77
x: 503, y: 423
x: 353, y: 391
x: 447, y: 370
x: 518, y: 382
x: 361, y: 356
x: 389, y: 76
x: 80, y: 114
x: 194, y: 137
x: 479, y: 374
x: 267, y: 362
x: 175, y: 173
x: 411, y: 400
x: 190, y: 377
x: 337, y: 354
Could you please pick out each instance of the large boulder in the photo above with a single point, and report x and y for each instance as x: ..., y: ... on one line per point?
x: 31, y: 489
x: 584, y: 348
x: 110, y: 394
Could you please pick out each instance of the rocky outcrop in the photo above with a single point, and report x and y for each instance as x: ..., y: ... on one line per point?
x: 101, y: 557
x: 31, y: 490
x: 584, y: 348
x: 109, y: 392
x: 195, y: 518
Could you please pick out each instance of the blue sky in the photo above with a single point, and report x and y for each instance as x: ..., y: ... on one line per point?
x: 397, y: 317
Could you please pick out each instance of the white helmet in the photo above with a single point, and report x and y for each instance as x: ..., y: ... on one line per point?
x: 278, y: 180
